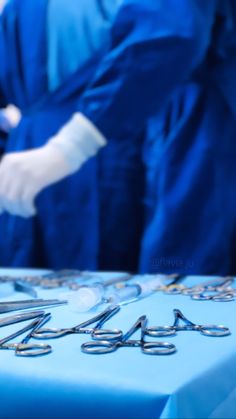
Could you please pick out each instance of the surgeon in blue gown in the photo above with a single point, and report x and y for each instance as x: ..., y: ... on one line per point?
x: 174, y: 61
x: 189, y: 155
x: 85, y: 221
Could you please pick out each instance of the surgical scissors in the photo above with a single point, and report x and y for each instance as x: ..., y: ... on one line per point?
x: 207, y: 330
x: 9, y: 306
x: 96, y: 332
x: 24, y: 348
x: 100, y: 347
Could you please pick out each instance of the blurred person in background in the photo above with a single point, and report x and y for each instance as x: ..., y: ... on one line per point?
x: 49, y: 50
x: 174, y: 60
x: 9, y: 116
x: 190, y: 152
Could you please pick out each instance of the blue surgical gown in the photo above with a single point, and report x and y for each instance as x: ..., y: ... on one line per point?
x: 175, y: 61
x: 84, y: 222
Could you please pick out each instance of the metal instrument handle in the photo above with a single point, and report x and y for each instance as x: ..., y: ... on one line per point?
x: 158, y: 348
x: 214, y: 331
x: 99, y: 347
x: 32, y: 349
x: 50, y: 333
x: 110, y: 335
x: 160, y: 331
x: 224, y: 297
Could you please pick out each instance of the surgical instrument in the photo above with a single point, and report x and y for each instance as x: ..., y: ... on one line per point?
x: 72, y: 279
x: 206, y: 330
x: 24, y: 348
x: 50, y: 280
x: 151, y: 348
x: 217, y: 284
x: 61, y: 278
x: 21, y: 286
x: 217, y: 289
x: 8, y: 306
x: 214, y: 296
x: 96, y: 332
x: 88, y: 297
x: 7, y: 321
x: 16, y: 286
x: 174, y: 286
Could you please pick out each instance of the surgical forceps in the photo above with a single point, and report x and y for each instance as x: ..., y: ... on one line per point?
x: 215, y: 284
x: 96, y: 332
x: 217, y: 296
x: 24, y: 348
x: 99, y: 347
x: 218, y: 289
x: 173, y: 287
x: 207, y: 330
x: 7, y: 321
x: 8, y: 306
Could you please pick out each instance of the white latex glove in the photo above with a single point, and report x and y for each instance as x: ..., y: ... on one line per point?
x: 23, y: 175
x: 13, y: 114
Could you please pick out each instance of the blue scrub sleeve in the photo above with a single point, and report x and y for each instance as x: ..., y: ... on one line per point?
x: 3, y: 133
x: 3, y: 100
x: 3, y: 103
x: 75, y: 34
x: 156, y: 44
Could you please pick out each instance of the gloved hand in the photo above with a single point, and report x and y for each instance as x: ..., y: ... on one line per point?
x: 23, y: 175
